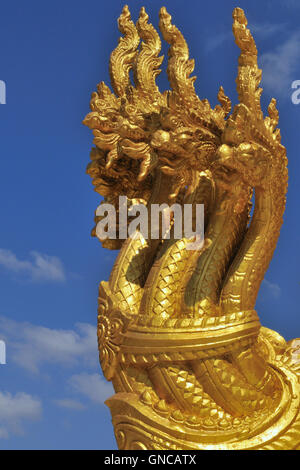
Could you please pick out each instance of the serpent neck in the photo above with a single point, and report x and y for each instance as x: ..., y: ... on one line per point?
x: 206, y: 270
x: 135, y: 258
x: 251, y: 263
x: 161, y: 298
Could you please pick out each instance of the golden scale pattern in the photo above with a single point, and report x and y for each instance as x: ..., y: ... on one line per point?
x: 178, y: 335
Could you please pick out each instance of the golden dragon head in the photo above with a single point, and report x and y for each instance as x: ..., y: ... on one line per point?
x: 251, y: 143
x: 141, y: 133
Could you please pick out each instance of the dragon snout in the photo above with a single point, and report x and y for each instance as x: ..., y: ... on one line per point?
x: 160, y: 138
x: 224, y: 151
x: 224, y: 154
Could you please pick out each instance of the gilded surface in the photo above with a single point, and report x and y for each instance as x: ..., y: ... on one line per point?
x: 178, y: 335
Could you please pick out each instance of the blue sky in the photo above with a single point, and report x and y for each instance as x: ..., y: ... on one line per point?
x: 52, y: 54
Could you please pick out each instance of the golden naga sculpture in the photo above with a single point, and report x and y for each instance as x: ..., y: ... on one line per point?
x: 179, y: 338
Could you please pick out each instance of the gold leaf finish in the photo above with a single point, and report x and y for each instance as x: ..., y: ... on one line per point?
x: 178, y: 335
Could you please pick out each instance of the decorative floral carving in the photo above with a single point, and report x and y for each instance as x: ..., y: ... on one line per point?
x: 291, y: 357
x: 112, y: 324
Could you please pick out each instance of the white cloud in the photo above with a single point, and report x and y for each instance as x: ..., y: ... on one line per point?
x: 266, y: 30
x: 279, y: 67
x: 215, y: 41
x: 3, y: 433
x: 30, y: 346
x: 40, y: 268
x: 271, y: 288
x: 70, y: 404
x: 14, y: 409
x: 92, y: 386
